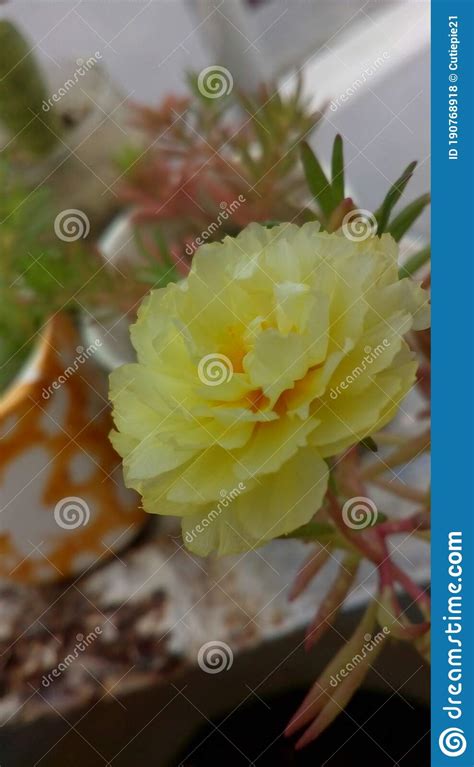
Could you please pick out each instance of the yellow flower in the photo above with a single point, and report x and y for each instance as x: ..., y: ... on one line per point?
x: 281, y: 348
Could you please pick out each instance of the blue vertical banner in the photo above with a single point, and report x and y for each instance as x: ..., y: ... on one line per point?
x: 452, y: 87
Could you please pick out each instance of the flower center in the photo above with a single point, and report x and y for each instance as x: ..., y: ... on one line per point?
x: 234, y: 348
x: 257, y: 400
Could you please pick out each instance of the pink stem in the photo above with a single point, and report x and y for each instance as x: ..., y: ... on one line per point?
x: 412, y: 588
x: 418, y: 521
x: 360, y: 540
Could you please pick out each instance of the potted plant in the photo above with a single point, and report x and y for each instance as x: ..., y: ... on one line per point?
x: 357, y: 510
x: 63, y: 504
x: 171, y: 189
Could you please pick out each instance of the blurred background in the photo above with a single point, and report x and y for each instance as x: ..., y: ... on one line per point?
x: 76, y: 552
x: 147, y: 47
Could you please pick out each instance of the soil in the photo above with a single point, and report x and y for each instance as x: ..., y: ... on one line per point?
x: 387, y: 731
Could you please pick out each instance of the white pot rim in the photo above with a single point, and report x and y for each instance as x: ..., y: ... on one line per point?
x: 111, y: 246
x: 29, y: 370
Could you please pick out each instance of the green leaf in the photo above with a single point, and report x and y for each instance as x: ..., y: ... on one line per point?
x: 393, y: 195
x: 127, y: 157
x: 160, y: 269
x: 337, y: 170
x: 252, y: 108
x: 162, y: 245
x: 313, y: 531
x: 415, y: 262
x: 402, y: 223
x: 23, y: 93
x: 318, y: 184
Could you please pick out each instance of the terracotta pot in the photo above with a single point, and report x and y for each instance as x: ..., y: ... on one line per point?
x: 63, y: 504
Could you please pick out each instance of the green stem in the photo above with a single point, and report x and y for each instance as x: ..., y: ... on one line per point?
x: 319, y: 532
x: 415, y: 262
